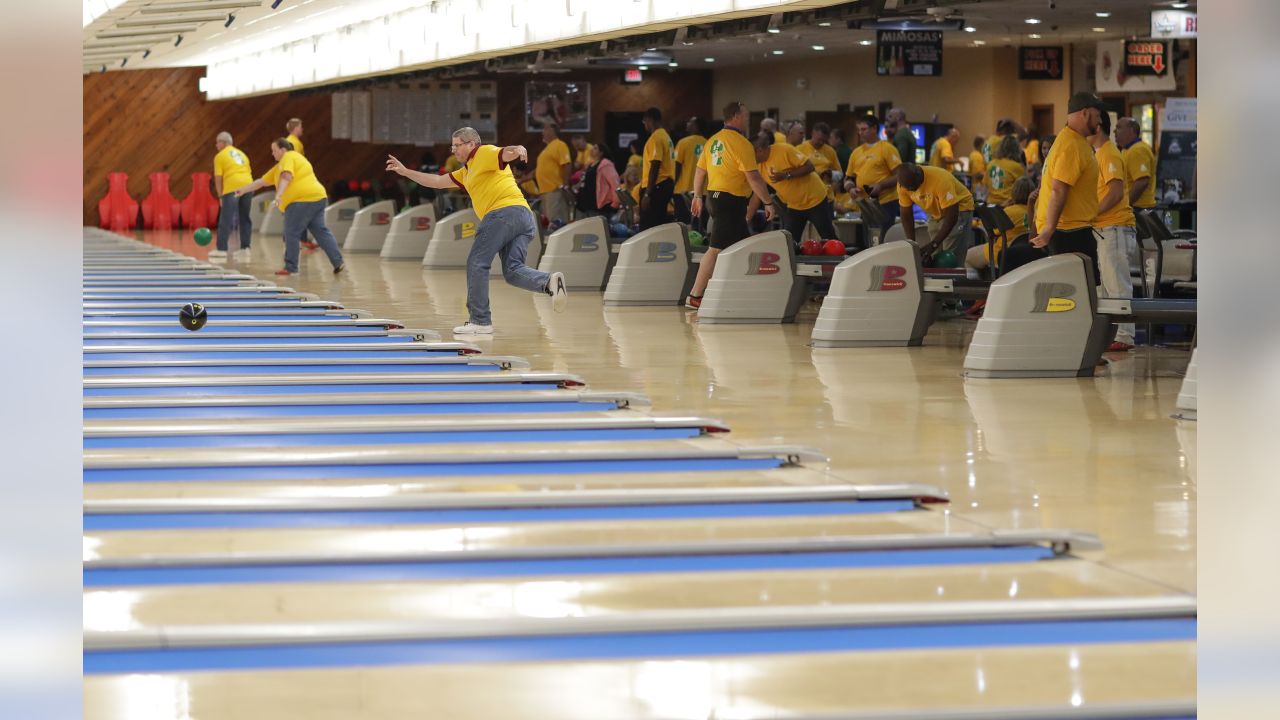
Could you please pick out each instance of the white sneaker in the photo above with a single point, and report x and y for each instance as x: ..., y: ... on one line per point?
x: 469, y: 328
x: 243, y: 255
x: 559, y: 294
x: 217, y: 254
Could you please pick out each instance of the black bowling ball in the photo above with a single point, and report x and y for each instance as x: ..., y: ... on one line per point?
x: 193, y: 316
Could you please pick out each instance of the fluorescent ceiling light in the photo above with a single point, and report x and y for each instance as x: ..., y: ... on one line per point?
x: 1099, y: 29
x: 979, y: 42
x: 673, y: 64
x: 864, y: 42
x: 1033, y: 21
x: 1034, y: 36
x: 824, y: 24
x: 1103, y: 14
x: 970, y: 28
x: 1178, y: 5
x: 775, y: 31
x: 644, y: 67
x: 819, y: 47
x: 777, y: 52
x: 709, y: 59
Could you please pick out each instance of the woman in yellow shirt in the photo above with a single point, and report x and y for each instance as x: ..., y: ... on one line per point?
x: 979, y: 257
x: 1004, y: 170
x: 302, y: 199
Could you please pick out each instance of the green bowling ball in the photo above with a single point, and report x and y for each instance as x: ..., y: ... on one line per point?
x: 696, y: 239
x: 946, y: 259
x: 203, y: 236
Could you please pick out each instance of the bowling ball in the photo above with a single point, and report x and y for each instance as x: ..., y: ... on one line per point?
x: 946, y: 259
x: 366, y: 186
x: 353, y: 185
x: 193, y: 316
x: 203, y: 236
x: 696, y: 239
x: 834, y: 248
x: 810, y: 247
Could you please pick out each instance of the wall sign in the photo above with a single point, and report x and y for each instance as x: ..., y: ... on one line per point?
x: 1146, y: 57
x: 1111, y: 76
x: 1173, y: 24
x: 909, y: 52
x: 1040, y: 63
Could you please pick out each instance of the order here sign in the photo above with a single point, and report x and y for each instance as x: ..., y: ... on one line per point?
x: 1146, y: 57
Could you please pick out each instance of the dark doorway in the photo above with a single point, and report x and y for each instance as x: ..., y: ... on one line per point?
x: 620, y: 128
x: 1042, y: 119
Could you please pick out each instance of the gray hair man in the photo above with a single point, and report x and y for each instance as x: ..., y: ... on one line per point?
x: 506, y: 224
x: 231, y: 171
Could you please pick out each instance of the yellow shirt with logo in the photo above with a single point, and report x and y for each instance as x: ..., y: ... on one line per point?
x: 1018, y: 216
x: 304, y: 187
x: 233, y: 167
x: 727, y: 157
x: 941, y: 149
x: 977, y: 168
x: 1111, y: 167
x: 658, y: 149
x: 583, y: 157
x: 800, y: 193
x: 824, y: 158
x: 870, y: 164
x: 938, y: 191
x: 548, y: 170
x: 1140, y: 162
x: 1071, y: 161
x: 296, y: 142
x: 688, y: 150
x: 489, y: 182
x: 1002, y: 173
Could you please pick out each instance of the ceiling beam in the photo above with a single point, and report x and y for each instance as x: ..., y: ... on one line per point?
x: 167, y: 32
x: 160, y: 22
x: 163, y: 8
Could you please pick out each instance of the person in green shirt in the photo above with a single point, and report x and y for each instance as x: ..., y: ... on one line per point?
x: 900, y: 134
x: 843, y: 151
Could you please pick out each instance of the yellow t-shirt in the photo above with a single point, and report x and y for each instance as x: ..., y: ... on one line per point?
x: 548, y: 171
x: 939, y: 190
x: 1111, y: 167
x: 989, y: 150
x: 824, y: 158
x: 801, y: 193
x: 304, y: 187
x: 687, y: 152
x: 233, y: 167
x: 941, y: 149
x: 1140, y: 162
x: 977, y: 167
x: 658, y: 147
x: 296, y: 142
x: 1071, y: 161
x: 870, y: 164
x: 727, y: 157
x: 635, y: 193
x: 634, y: 161
x: 583, y: 156
x: 1002, y: 173
x: 1018, y: 216
x: 450, y: 164
x: 844, y: 202
x: 489, y: 181
x: 1032, y: 151
x: 779, y: 137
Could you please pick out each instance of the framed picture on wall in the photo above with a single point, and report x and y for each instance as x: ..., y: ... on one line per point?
x: 567, y: 104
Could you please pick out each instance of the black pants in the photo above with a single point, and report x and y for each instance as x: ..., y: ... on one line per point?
x: 1080, y: 240
x: 659, y: 198
x: 891, y: 213
x: 821, y: 215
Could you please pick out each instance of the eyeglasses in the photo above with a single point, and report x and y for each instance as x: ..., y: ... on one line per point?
x: 454, y: 148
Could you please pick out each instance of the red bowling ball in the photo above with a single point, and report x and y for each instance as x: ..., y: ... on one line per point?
x: 834, y: 248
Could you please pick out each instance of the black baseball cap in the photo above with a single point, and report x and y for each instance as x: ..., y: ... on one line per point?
x: 1083, y: 100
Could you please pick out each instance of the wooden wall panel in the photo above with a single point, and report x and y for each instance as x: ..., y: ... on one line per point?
x: 145, y: 121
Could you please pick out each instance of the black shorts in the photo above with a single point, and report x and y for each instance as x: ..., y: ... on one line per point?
x: 729, y: 219
x: 1080, y: 240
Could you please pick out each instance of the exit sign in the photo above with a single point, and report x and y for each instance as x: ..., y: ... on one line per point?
x: 632, y: 75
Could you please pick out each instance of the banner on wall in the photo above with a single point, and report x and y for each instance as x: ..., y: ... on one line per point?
x: 912, y: 53
x: 1146, y: 57
x: 1174, y: 24
x: 1176, y: 167
x: 1040, y: 63
x: 1110, y: 75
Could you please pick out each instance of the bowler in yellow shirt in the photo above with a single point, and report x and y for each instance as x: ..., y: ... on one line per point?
x: 1139, y: 164
x: 688, y: 150
x: 946, y: 201
x: 581, y: 151
x: 871, y: 169
x: 231, y: 171
x: 819, y: 150
x: 799, y: 187
x: 978, y: 169
x: 1067, y: 200
x: 657, y: 172
x: 293, y: 133
x: 302, y: 199
x: 552, y: 173
x: 942, y: 154
x: 506, y: 224
x: 1114, y: 228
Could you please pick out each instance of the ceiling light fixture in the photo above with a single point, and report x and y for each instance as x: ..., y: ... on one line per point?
x: 819, y: 47
x: 1099, y: 29
x: 1033, y: 21
x: 979, y: 43
x: 864, y: 42
x: 775, y: 31
x: 709, y: 59
x: 644, y: 67
x: 673, y: 64
x: 1103, y: 14
x: 777, y: 52
x: 1034, y: 36
x: 1178, y: 5
x: 970, y: 28
x: 824, y: 24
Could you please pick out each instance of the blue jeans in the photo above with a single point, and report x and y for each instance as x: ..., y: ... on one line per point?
x: 505, y: 232
x: 300, y: 217
x: 235, y: 211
